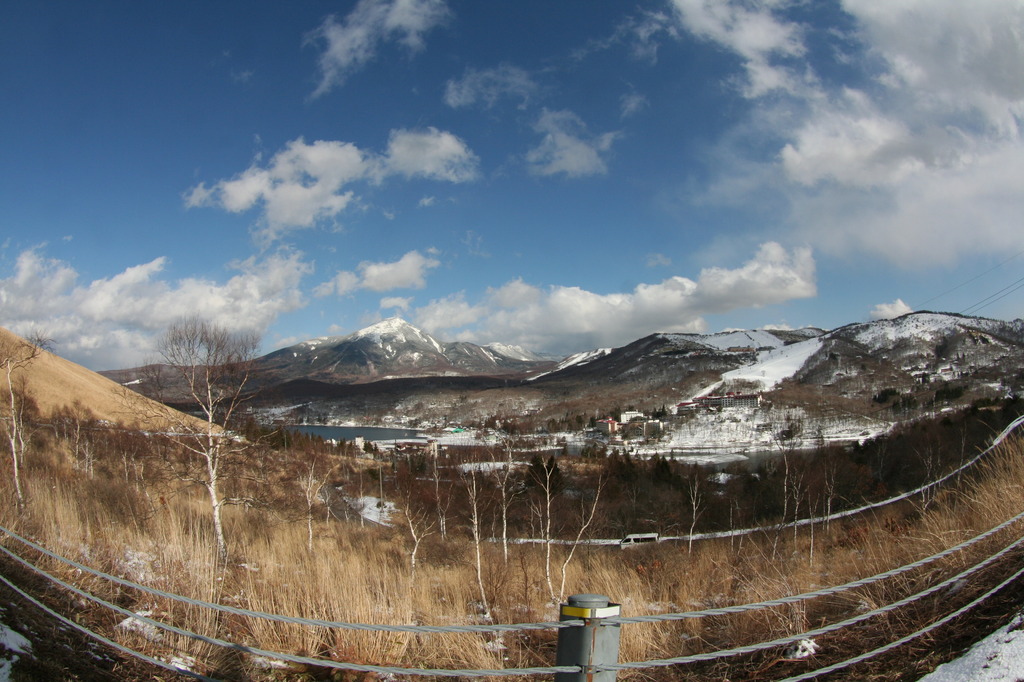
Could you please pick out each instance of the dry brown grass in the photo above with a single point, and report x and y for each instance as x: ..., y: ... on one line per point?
x: 55, y: 383
x: 362, y: 575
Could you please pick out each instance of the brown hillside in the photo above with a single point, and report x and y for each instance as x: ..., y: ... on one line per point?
x: 54, y: 382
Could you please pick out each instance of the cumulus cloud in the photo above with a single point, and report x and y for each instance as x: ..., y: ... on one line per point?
x: 567, y: 319
x: 918, y: 159
x: 305, y: 183
x: 396, y: 302
x: 449, y: 312
x: 487, y: 86
x: 350, y: 44
x: 763, y: 41
x: 112, y: 322
x: 431, y: 154
x: 888, y: 311
x: 927, y: 167
x: 408, y: 272
x: 567, y: 147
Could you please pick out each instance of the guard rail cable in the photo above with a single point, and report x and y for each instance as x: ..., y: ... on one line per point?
x: 427, y: 629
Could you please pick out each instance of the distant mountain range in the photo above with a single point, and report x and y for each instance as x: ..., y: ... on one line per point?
x: 392, y: 366
x: 393, y: 349
x: 918, y: 347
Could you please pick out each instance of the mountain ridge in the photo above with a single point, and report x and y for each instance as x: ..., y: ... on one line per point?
x: 392, y: 349
x: 393, y: 366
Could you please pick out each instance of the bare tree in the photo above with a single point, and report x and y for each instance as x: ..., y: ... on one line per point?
x: 314, y: 474
x: 417, y: 510
x: 16, y: 354
x: 547, y: 478
x: 586, y: 518
x: 76, y: 421
x: 442, y: 494
x: 209, y: 368
x: 474, y: 494
x: 695, y: 494
x: 504, y: 478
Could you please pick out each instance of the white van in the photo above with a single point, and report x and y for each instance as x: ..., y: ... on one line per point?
x: 638, y: 539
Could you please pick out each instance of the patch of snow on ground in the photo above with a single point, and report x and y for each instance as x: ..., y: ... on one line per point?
x: 487, y: 467
x: 138, y: 566
x: 11, y: 644
x: 14, y: 641
x: 773, y: 366
x: 741, y: 430
x: 997, y: 658
x: 183, y: 663
x: 754, y: 338
x: 577, y: 359
x: 147, y: 630
x: 373, y: 509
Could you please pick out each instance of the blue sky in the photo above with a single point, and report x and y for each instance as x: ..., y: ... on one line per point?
x: 560, y: 175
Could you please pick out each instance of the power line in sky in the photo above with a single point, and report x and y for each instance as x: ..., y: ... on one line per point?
x: 972, y: 279
x: 998, y: 296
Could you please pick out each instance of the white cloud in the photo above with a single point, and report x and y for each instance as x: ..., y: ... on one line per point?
x: 919, y: 161
x: 567, y: 147
x: 430, y: 153
x: 304, y: 184
x: 849, y: 142
x: 450, y: 312
x: 657, y: 260
x: 112, y: 322
x: 352, y: 43
x: 397, y: 302
x: 633, y: 103
x: 487, y: 86
x: 959, y: 56
x: 568, y: 319
x: 930, y: 218
x: 751, y: 30
x: 887, y: 311
x: 408, y: 272
x: 927, y: 167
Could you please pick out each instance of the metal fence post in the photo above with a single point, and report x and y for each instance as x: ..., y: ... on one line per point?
x: 591, y: 645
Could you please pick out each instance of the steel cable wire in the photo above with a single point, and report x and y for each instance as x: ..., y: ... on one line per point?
x: 609, y: 621
x: 327, y: 663
x: 525, y: 626
x: 809, y: 634
x: 554, y: 669
x: 100, y: 638
x: 907, y: 638
x: 531, y: 626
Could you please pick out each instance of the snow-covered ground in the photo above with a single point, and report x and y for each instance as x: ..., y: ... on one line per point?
x: 12, y: 646
x: 997, y: 658
x: 372, y: 509
x: 775, y: 365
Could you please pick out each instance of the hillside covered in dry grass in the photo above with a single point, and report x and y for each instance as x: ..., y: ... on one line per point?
x: 131, y: 504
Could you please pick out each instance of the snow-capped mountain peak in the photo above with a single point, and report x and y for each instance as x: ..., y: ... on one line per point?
x: 396, y: 330
x: 393, y: 348
x: 514, y: 352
